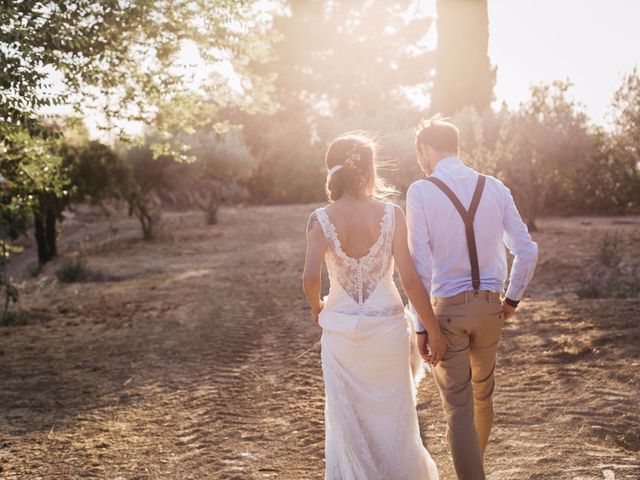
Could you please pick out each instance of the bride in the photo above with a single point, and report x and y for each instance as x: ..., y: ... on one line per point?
x: 370, y: 416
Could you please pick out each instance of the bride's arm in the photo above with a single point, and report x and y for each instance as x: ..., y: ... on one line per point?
x: 311, y: 278
x: 413, y: 287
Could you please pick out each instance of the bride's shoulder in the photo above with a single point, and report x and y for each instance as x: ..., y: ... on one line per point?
x: 321, y: 209
x: 314, y: 218
x: 397, y: 209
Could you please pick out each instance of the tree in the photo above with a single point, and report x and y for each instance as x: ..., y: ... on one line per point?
x: 553, y: 142
x: 350, y: 56
x: 130, y: 52
x: 601, y: 183
x: 125, y: 56
x: 488, y: 141
x: 464, y: 76
x: 96, y: 171
x: 35, y: 178
x: 545, y: 152
x: 625, y: 156
x: 336, y: 63
x: 14, y: 221
x: 80, y: 171
x: 147, y: 178
x: 222, y: 161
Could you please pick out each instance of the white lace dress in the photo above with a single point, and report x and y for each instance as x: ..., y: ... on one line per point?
x: 370, y: 414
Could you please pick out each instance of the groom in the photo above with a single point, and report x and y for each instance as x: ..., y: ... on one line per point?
x: 459, y: 223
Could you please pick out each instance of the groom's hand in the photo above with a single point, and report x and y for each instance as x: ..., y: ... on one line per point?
x: 508, y: 310
x: 438, y: 345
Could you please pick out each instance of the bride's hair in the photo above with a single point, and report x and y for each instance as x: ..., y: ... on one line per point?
x: 356, y: 154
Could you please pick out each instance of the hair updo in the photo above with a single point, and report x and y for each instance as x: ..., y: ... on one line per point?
x: 356, y: 152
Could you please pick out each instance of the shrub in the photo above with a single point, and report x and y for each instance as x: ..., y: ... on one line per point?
x: 73, y: 270
x: 33, y: 269
x: 609, y: 251
x: 607, y: 279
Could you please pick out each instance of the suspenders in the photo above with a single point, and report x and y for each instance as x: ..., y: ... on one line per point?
x: 467, y: 218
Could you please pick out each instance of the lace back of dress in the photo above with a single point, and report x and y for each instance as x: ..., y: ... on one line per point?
x: 359, y: 277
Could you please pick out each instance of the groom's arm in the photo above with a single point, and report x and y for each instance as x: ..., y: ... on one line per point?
x: 517, y: 238
x: 418, y: 237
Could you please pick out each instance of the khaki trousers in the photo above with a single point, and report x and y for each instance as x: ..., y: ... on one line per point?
x: 472, y: 322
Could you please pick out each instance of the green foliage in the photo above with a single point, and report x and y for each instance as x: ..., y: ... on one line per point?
x: 535, y: 150
x: 126, y: 57
x: 30, y: 172
x: 551, y: 157
x: 626, y: 106
x: 96, y: 171
x: 487, y: 140
x: 130, y: 53
x: 625, y: 152
x: 553, y: 140
x: 8, y: 288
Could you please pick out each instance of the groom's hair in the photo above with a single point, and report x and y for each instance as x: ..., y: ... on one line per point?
x: 439, y: 133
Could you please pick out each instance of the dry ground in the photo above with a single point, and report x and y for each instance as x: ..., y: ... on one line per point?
x: 193, y: 358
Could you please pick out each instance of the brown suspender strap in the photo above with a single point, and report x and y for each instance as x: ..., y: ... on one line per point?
x: 467, y: 218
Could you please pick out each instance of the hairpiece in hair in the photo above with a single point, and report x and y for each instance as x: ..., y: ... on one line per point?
x: 352, y: 156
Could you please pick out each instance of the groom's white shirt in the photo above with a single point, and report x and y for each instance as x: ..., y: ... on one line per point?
x: 438, y: 243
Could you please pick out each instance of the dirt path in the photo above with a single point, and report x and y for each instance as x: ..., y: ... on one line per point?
x: 196, y: 361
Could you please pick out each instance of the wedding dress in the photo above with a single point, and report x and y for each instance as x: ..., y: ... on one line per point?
x: 371, y: 422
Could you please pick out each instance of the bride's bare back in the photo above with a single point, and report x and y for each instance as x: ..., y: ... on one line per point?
x: 358, y: 223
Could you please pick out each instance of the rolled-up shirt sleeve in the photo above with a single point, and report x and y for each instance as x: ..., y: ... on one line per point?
x: 418, y: 236
x: 519, y: 242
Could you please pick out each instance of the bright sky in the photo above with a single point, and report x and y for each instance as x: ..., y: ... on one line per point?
x: 591, y: 42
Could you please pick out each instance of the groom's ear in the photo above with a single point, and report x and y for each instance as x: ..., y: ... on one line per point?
x: 422, y: 150
x: 423, y: 157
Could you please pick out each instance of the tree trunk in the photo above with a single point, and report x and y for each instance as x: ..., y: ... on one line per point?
x: 5, y: 283
x: 211, y: 203
x: 532, y: 209
x: 52, y: 237
x: 147, y: 225
x: 214, y: 203
x: 531, y: 223
x: 212, y: 216
x: 464, y: 75
x: 41, y: 238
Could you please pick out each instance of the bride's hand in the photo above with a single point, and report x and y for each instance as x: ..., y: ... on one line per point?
x: 438, y: 345
x: 316, y: 311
